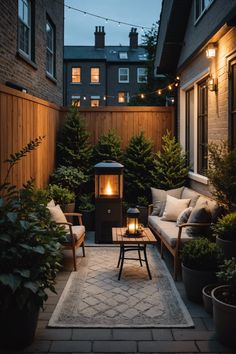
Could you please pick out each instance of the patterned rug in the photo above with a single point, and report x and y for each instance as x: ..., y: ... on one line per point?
x: 94, y: 297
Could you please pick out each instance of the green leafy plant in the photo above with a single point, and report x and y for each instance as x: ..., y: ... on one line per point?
x: 85, y: 202
x: 138, y: 171
x: 142, y: 201
x: 69, y: 177
x: 29, y: 244
x: 225, y: 227
x: 227, y: 273
x: 171, y: 170
x: 107, y: 148
x: 60, y: 195
x: 201, y: 254
x: 222, y: 174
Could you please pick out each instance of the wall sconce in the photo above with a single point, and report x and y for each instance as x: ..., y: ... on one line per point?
x: 212, y: 84
x: 211, y: 51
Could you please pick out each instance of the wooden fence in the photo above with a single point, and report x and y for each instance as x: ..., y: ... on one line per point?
x: 129, y: 121
x: 24, y: 117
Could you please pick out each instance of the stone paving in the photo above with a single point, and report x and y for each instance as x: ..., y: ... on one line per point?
x: 201, y: 339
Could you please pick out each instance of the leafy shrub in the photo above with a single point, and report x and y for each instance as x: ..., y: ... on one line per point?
x: 227, y: 273
x: 69, y: 177
x: 60, y: 195
x: 225, y: 227
x: 201, y: 254
x: 107, y: 148
x: 85, y: 202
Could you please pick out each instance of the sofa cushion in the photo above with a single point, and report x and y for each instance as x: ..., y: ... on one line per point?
x: 200, y: 214
x: 190, y: 194
x: 174, y: 207
x: 159, y: 198
x: 183, y: 216
x: 167, y: 230
x: 212, y: 205
x: 78, y: 231
x: 56, y: 213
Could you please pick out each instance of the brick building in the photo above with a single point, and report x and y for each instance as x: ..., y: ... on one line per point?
x: 31, y: 47
x: 103, y: 75
x: 201, y: 49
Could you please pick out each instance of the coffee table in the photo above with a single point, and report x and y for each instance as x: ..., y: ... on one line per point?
x: 136, y: 243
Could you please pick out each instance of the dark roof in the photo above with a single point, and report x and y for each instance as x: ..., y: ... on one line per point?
x: 108, y: 53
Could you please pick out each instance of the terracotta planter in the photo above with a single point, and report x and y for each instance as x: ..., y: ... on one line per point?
x: 194, y: 282
x: 228, y: 247
x: 17, y: 327
x: 224, y: 317
x: 207, y: 297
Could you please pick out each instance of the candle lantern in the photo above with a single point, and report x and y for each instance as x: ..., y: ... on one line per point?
x: 108, y: 199
x: 132, y: 221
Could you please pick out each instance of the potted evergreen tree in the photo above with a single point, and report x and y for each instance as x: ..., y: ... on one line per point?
x: 225, y: 232
x: 30, y: 257
x: 200, y: 260
x: 224, y: 303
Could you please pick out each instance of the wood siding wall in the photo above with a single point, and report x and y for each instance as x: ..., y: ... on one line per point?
x: 129, y: 121
x: 22, y: 118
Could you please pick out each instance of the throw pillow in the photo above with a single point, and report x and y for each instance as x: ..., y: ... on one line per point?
x: 183, y: 216
x: 159, y: 198
x: 51, y: 203
x: 189, y: 193
x: 57, y: 214
x: 200, y: 214
x: 174, y: 207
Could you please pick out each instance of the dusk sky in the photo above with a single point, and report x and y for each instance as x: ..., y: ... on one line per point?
x: 79, y: 28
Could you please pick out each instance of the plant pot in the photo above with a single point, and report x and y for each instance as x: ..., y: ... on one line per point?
x: 17, y: 327
x: 69, y: 208
x: 88, y: 217
x: 224, y: 317
x: 194, y: 282
x: 207, y: 298
x: 143, y: 216
x: 228, y: 247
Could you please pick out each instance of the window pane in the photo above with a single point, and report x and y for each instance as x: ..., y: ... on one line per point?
x: 75, y: 102
x: 75, y: 75
x: 20, y: 9
x: 94, y: 103
x: 95, y: 75
x: 142, y: 75
x: 190, y: 127
x: 50, y: 51
x: 202, y: 127
x: 123, y: 75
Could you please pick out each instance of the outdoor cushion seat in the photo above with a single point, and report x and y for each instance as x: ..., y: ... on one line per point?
x: 78, y: 232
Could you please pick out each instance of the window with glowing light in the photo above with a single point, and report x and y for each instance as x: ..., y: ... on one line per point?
x: 123, y: 75
x: 75, y: 102
x: 94, y: 103
x: 95, y: 75
x: 123, y: 97
x: 142, y: 75
x: 76, y: 75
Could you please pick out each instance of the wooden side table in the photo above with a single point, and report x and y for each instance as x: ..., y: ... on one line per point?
x: 136, y: 243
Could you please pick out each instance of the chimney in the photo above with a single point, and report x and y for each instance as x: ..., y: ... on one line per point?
x: 133, y: 38
x: 99, y: 37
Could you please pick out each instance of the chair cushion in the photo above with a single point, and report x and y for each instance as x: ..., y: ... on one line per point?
x: 57, y: 214
x: 78, y: 232
x: 183, y: 216
x: 174, y: 207
x: 190, y: 194
x: 167, y: 230
x: 200, y: 214
x: 159, y: 198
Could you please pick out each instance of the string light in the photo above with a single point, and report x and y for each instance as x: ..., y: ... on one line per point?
x: 105, y: 18
x: 142, y: 95
x: 170, y: 87
x: 159, y: 92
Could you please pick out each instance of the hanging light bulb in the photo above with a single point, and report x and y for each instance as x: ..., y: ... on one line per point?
x: 159, y: 92
x: 104, y: 98
x: 84, y: 98
x: 169, y: 87
x: 142, y: 95
x: 176, y: 84
x: 177, y: 78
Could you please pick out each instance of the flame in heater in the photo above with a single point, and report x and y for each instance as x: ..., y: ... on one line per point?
x: 108, y: 189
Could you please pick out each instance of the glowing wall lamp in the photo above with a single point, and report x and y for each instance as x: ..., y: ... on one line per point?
x: 212, y: 84
x: 211, y: 51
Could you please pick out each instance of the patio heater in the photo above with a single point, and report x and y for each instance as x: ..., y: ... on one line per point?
x: 108, y: 199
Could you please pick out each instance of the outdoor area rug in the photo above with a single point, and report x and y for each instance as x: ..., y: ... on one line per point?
x: 94, y: 297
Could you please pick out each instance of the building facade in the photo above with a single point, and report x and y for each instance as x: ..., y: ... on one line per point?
x: 103, y: 75
x: 31, y: 42
x: 202, y: 52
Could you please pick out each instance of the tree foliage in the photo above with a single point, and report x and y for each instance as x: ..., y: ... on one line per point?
x: 107, y: 148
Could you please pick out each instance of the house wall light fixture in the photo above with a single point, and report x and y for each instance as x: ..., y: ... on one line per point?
x: 211, y: 51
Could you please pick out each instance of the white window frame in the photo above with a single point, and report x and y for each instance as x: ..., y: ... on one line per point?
x: 139, y: 75
x: 123, y: 55
x: 91, y: 76
x: 50, y: 51
x: 76, y: 82
x: 122, y: 74
x: 25, y: 23
x: 194, y: 175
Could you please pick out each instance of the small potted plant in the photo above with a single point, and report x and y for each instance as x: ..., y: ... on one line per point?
x: 86, y: 208
x: 225, y: 232
x: 30, y: 257
x: 224, y: 303
x: 62, y: 196
x: 200, y: 260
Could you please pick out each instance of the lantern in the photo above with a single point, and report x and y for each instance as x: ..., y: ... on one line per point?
x: 132, y: 221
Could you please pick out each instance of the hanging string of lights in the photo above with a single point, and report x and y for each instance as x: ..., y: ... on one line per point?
x: 106, y: 19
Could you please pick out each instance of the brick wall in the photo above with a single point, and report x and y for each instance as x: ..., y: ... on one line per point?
x: 32, y: 75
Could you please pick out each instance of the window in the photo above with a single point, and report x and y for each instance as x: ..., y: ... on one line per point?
x: 202, y: 126
x: 200, y: 7
x: 94, y: 102
x: 75, y: 101
x: 95, y: 75
x: 123, y: 75
x: 142, y: 75
x: 76, y: 75
x: 24, y: 27
x: 50, y: 50
x: 232, y: 105
x: 190, y: 126
x: 123, y: 97
x: 123, y: 55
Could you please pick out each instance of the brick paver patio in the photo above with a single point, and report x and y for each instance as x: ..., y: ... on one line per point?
x: 201, y: 339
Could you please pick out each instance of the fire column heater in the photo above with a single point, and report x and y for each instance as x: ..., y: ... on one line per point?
x: 108, y: 199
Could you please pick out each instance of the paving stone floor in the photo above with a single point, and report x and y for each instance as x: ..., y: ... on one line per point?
x: 201, y: 339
